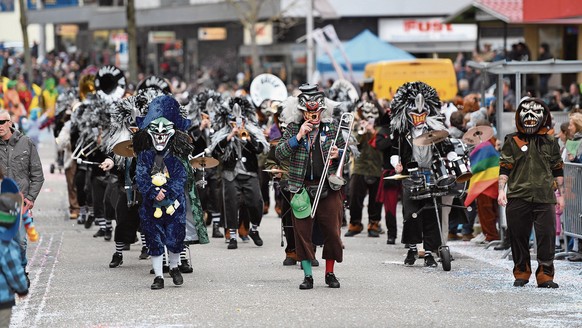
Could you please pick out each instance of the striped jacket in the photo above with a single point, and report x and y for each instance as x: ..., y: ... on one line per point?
x: 12, y: 277
x: 297, y: 153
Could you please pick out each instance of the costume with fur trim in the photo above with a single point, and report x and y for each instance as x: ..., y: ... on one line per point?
x: 238, y: 155
x: 201, y: 106
x: 415, y: 111
x: 168, y: 230
x: 180, y: 145
x: 306, y: 159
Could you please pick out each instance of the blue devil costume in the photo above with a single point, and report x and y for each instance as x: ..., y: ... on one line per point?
x: 162, y: 147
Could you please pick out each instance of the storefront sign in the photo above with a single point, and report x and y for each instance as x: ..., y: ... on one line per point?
x: 425, y: 30
x: 67, y: 30
x: 264, y: 34
x: 50, y: 4
x: 211, y: 33
x: 161, y: 36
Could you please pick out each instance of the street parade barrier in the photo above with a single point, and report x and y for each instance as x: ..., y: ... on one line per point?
x: 572, y: 217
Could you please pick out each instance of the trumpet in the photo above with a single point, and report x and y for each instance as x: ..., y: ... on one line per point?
x: 363, y: 126
x: 336, y: 180
x: 243, y: 133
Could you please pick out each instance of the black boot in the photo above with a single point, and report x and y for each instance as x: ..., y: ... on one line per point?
x: 117, y: 260
x: 307, y: 283
x: 256, y: 238
x: 232, y: 244
x: 144, y: 253
x: 99, y: 233
x: 216, y: 231
x: 504, y: 243
x: 185, y: 267
x: 176, y: 276
x: 108, y: 234
x: 89, y: 221
x: 331, y: 280
x: 158, y: 283
x: 411, y: 257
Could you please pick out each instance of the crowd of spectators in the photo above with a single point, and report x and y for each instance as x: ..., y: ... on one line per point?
x: 471, y: 80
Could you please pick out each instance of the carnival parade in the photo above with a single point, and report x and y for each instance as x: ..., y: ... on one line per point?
x: 385, y: 192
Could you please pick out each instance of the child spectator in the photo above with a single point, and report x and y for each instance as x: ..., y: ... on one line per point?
x: 12, y: 277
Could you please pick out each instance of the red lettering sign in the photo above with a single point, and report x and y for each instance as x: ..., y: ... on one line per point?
x: 426, y: 26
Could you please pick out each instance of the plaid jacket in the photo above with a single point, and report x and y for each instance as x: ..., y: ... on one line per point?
x: 12, y: 277
x: 297, y: 153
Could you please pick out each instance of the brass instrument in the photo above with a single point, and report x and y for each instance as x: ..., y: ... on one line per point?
x: 86, y: 86
x: 362, y: 127
x: 83, y: 150
x: 336, y: 180
x: 363, y: 124
x: 243, y: 133
x: 266, y: 87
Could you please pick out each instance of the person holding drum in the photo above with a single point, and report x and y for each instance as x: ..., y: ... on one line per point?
x: 415, y: 109
x: 530, y: 167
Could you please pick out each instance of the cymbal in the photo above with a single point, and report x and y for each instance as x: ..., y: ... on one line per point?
x: 478, y: 134
x: 124, y: 148
x: 397, y: 177
x: 204, y: 162
x: 275, y: 171
x: 430, y: 137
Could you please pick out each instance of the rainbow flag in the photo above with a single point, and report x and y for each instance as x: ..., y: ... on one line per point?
x: 485, y: 168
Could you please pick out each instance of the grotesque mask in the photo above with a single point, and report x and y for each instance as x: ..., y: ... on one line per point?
x: 312, y: 103
x: 161, y: 130
x: 531, y: 116
x: 418, y: 112
x: 369, y: 111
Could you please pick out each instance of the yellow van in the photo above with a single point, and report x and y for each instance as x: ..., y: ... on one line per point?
x: 390, y: 75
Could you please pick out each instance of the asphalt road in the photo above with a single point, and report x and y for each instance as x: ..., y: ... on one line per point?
x: 72, y: 285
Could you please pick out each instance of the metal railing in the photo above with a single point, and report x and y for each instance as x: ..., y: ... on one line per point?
x: 572, y: 217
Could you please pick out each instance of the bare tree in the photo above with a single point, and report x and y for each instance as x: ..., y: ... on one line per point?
x: 132, y: 40
x: 24, y: 27
x: 248, y: 12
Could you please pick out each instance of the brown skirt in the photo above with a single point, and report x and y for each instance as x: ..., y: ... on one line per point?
x: 329, y: 219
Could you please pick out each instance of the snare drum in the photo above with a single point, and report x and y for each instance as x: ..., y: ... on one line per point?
x: 417, y: 185
x: 460, y: 165
x: 461, y: 169
x: 442, y: 173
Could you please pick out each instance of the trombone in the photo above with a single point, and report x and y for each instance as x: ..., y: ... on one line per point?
x: 336, y: 180
x: 84, y: 150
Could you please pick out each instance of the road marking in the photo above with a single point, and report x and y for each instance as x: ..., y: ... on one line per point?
x: 21, y: 310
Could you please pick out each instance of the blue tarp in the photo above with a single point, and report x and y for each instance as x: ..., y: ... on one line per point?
x: 362, y: 49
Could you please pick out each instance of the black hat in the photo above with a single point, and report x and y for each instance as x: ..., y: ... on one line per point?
x: 309, y: 89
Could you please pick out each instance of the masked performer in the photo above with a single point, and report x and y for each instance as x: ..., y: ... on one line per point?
x: 201, y: 111
x: 306, y: 144
x: 62, y: 133
x: 414, y: 112
x: 162, y: 146
x: 530, y: 167
x: 388, y: 190
x: 366, y: 174
x: 79, y: 135
x: 236, y: 144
